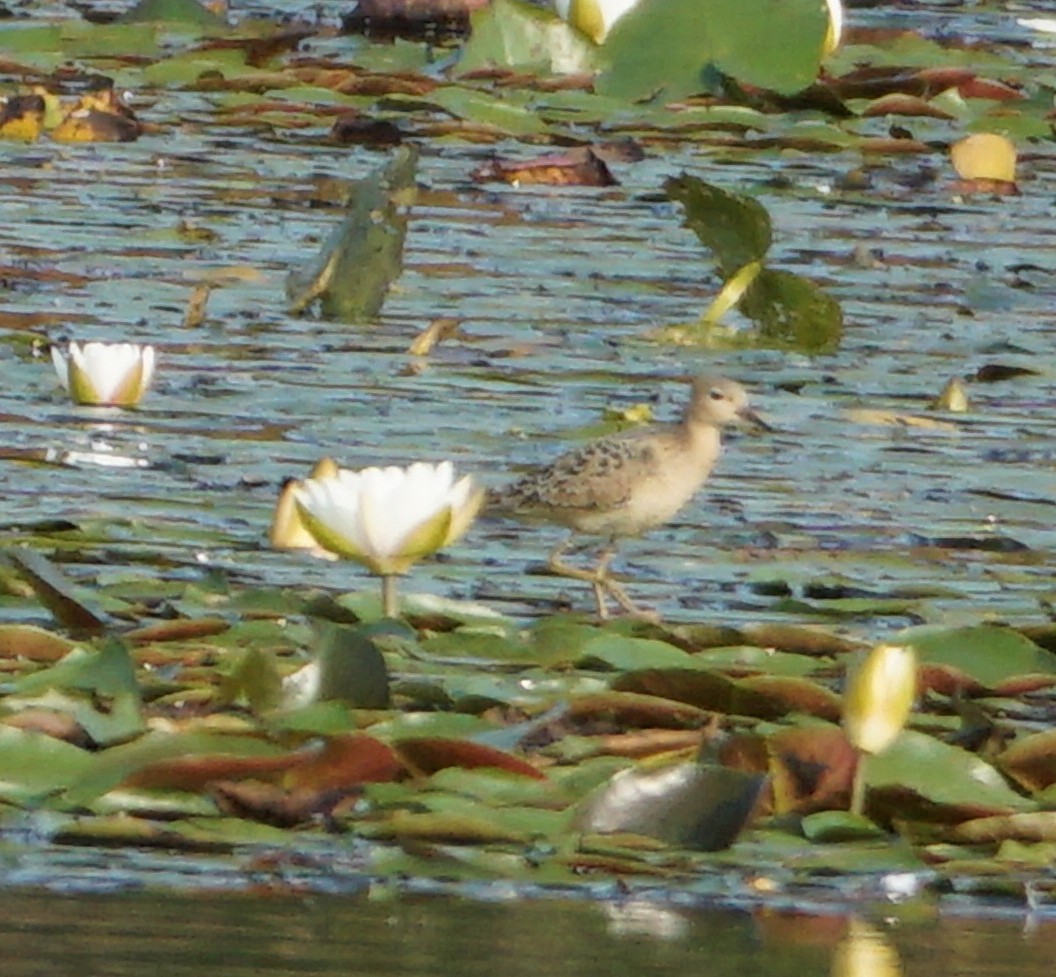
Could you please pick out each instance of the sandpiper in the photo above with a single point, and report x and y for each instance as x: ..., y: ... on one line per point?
x: 626, y: 483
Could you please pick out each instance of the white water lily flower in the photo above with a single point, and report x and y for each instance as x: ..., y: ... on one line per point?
x: 117, y: 374
x: 388, y: 518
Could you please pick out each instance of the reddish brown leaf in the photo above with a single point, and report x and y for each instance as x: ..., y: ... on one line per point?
x: 811, y: 769
x: 996, y: 91
x: 875, y: 82
x: 183, y: 629
x: 796, y: 695
x: 266, y: 803
x: 947, y: 680
x: 195, y: 772
x: 900, y: 104
x: 578, y: 167
x: 630, y: 709
x: 344, y: 762
x: 1021, y: 684
x: 648, y: 742
x: 1031, y: 761
x: 426, y: 755
x: 58, y: 725
x: 32, y: 644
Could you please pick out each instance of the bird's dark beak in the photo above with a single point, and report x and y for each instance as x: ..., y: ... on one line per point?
x: 753, y: 419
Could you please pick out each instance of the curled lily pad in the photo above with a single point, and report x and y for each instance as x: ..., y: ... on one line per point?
x: 691, y: 804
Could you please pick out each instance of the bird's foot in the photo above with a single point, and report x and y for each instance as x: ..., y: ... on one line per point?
x: 620, y: 595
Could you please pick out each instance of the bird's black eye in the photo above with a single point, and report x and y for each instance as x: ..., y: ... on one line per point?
x: 716, y: 394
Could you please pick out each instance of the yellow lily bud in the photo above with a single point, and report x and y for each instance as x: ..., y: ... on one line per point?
x: 595, y: 18
x: 879, y: 697
x: 835, y: 32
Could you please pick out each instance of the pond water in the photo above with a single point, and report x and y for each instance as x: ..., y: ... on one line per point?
x: 558, y: 292
x: 172, y: 935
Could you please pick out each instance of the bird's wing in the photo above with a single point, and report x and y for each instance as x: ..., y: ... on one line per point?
x: 598, y: 475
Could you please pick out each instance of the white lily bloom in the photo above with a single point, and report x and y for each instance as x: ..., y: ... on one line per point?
x: 388, y: 518
x: 116, y: 374
x: 879, y: 697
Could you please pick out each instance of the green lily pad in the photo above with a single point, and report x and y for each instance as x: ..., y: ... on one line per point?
x: 36, y: 765
x: 987, y: 654
x: 512, y: 34
x: 622, y: 654
x: 666, y: 47
x: 942, y: 775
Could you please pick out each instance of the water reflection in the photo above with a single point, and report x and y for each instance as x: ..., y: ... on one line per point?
x: 233, y: 934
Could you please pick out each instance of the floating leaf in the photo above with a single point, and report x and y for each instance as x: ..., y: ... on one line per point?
x: 811, y: 769
x: 1039, y: 826
x: 694, y: 805
x: 103, y: 694
x: 664, y: 48
x: 1031, y: 761
x: 983, y: 654
x: 427, y: 755
x: 920, y: 772
x: 513, y: 34
x: 32, y: 644
x: 345, y: 762
x: 254, y: 681
x: 35, y: 765
x: 621, y: 654
x: 122, y: 763
x: 839, y: 826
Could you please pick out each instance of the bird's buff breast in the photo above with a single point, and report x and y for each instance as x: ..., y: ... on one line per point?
x: 653, y: 502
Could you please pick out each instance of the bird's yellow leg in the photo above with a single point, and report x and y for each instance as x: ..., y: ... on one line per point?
x: 596, y: 578
x: 558, y: 566
x: 618, y: 593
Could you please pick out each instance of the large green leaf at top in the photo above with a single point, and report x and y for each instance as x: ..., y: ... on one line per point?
x: 664, y: 48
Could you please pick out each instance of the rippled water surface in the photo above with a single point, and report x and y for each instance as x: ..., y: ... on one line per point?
x: 166, y: 934
x: 557, y: 291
